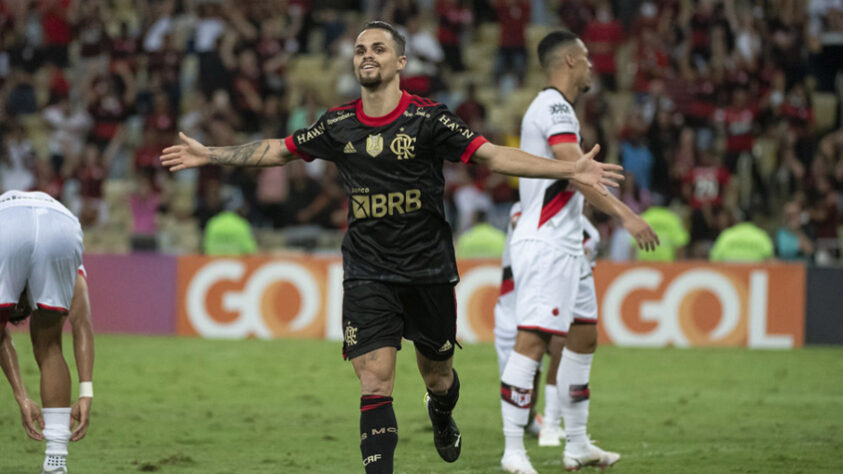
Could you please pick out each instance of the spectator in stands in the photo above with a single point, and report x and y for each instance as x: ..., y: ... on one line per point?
x: 513, y: 17
x: 482, y: 240
x: 210, y: 202
x: 145, y: 203
x: 826, y: 42
x: 17, y: 161
x: 306, y: 112
x: 228, y: 234
x: 70, y: 124
x: 603, y: 35
x: 792, y: 240
x: 632, y: 195
x: 303, y: 192
x: 424, y: 55
x: 472, y: 111
x: 704, y: 190
x: 743, y: 242
x: 58, y: 30
x: 210, y: 28
x: 454, y: 18
x: 825, y: 219
x: 671, y: 232
x: 635, y: 155
x: 108, y: 106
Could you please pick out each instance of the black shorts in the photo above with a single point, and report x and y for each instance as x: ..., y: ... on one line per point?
x: 379, y: 314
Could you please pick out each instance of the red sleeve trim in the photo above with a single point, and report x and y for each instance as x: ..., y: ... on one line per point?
x: 291, y: 145
x: 472, y: 147
x: 562, y: 138
x: 83, y: 272
x: 7, y: 305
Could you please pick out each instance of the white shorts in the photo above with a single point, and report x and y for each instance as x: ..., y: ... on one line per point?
x: 554, y: 288
x: 43, y: 248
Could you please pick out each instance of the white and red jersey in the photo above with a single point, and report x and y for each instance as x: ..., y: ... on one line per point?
x: 32, y: 199
x: 551, y: 208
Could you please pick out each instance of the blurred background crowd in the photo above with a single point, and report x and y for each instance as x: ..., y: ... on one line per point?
x: 724, y: 113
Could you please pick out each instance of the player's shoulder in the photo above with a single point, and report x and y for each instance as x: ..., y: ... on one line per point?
x: 424, y: 102
x: 423, y: 107
x: 341, y: 112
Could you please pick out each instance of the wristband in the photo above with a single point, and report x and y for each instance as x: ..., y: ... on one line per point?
x: 86, y: 389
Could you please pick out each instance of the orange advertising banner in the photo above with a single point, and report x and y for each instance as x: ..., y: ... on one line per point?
x: 680, y: 304
x: 701, y: 304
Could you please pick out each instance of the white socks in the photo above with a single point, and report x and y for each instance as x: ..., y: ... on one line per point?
x: 572, y: 383
x: 516, y: 399
x: 57, y: 434
x: 552, y: 414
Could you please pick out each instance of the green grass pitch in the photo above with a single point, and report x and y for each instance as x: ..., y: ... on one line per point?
x: 183, y: 405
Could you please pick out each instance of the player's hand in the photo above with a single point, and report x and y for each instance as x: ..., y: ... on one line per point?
x: 644, y: 235
x: 190, y: 154
x: 80, y: 415
x: 33, y: 420
x: 598, y: 175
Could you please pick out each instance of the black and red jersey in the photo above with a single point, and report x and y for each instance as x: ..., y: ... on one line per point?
x: 391, y: 169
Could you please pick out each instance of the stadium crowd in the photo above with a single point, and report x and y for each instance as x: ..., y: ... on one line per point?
x: 721, y: 111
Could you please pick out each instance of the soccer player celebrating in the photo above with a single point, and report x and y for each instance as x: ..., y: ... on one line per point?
x: 398, y: 254
x: 41, y: 274
x: 554, y: 287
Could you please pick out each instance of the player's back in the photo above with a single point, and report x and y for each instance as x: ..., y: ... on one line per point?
x: 36, y: 199
x: 551, y: 208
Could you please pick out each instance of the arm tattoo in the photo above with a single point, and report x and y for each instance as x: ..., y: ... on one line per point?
x: 262, y: 155
x: 240, y: 155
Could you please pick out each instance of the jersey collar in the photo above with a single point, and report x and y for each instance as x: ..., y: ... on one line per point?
x: 384, y: 119
x: 560, y: 93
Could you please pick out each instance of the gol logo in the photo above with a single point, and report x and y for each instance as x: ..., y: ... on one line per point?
x: 252, y: 297
x: 692, y: 306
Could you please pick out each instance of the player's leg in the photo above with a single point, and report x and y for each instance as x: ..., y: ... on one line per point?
x: 551, y: 433
x: 535, y: 267
x: 517, y: 396
x: 430, y: 321
x: 372, y: 329
x: 573, y: 378
x: 46, y: 333
x: 378, y: 426
x: 443, y: 392
x: 55, y: 261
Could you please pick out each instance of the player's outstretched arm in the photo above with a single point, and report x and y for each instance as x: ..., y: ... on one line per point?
x: 514, y: 162
x: 633, y: 223
x: 83, y: 351
x: 29, y: 411
x: 192, y: 154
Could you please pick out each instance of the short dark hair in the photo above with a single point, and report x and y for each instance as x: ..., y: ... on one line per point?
x: 400, y: 42
x: 551, y: 42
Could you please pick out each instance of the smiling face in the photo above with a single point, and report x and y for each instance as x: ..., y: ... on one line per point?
x: 376, y: 60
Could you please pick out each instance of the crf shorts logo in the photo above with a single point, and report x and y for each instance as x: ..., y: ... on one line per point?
x: 253, y: 298
x: 701, y: 305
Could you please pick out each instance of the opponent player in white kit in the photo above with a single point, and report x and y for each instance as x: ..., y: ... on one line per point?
x: 548, y: 427
x: 41, y: 273
x: 554, y: 285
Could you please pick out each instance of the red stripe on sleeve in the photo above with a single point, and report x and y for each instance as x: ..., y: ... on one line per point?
x: 472, y: 147
x: 562, y: 138
x: 291, y: 145
x: 507, y: 286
